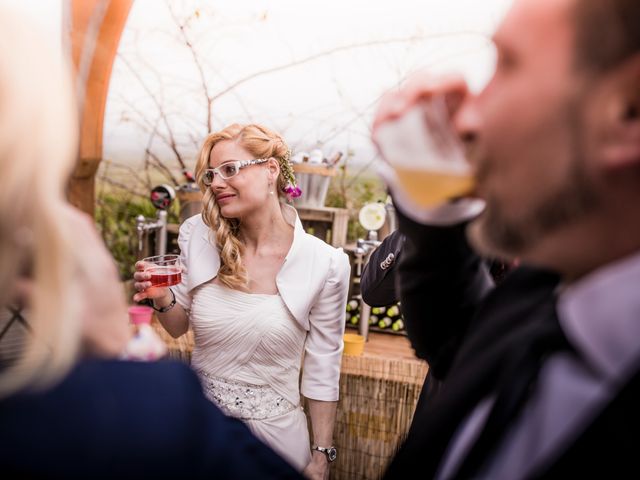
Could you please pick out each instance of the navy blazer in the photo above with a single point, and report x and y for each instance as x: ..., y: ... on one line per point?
x: 114, y: 419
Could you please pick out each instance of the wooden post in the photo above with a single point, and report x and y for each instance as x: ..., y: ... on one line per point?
x: 93, y: 29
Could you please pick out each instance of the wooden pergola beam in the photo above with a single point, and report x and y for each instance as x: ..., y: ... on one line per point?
x: 93, y: 29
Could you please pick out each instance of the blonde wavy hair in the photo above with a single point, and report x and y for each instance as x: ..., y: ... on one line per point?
x: 38, y: 145
x: 262, y: 143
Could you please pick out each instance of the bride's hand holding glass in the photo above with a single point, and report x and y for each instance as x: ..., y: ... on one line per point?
x: 154, y: 275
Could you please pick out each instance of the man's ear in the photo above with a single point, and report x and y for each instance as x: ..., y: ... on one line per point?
x: 623, y: 145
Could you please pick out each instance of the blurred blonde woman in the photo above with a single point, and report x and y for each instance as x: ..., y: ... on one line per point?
x: 263, y: 297
x: 68, y: 408
x: 40, y: 233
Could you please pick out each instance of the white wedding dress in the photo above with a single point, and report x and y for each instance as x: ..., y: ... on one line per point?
x: 248, y: 352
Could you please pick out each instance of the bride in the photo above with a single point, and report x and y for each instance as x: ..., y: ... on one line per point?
x: 264, y: 298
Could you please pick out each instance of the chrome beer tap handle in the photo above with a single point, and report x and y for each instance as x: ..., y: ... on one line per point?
x: 161, y: 238
x: 144, y: 225
x: 140, y: 223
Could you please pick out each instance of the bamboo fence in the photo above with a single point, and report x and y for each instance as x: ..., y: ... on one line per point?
x: 378, y: 395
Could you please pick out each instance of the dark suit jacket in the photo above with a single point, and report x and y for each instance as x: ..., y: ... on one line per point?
x: 377, y: 283
x: 112, y: 419
x: 465, y: 330
x: 379, y: 288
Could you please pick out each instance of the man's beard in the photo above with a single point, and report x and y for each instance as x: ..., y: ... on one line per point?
x: 496, y: 235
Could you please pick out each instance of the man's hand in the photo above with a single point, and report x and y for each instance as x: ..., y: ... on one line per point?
x: 405, y: 129
x: 420, y: 87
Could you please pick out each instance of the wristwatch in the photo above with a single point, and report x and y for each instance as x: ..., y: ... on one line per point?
x: 330, y: 452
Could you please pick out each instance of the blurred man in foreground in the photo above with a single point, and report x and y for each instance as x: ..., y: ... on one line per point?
x: 541, y: 373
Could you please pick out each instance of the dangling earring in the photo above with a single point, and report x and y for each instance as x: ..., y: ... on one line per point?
x: 270, y: 188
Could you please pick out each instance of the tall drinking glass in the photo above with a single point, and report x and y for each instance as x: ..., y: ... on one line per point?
x: 425, y: 154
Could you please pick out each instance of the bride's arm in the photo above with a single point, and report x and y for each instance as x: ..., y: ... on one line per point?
x: 323, y: 355
x: 323, y: 417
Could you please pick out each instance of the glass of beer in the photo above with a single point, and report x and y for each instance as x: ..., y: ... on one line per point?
x: 426, y: 155
x: 165, y: 270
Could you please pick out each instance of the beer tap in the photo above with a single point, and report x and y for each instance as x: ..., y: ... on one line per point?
x: 161, y: 197
x: 144, y: 225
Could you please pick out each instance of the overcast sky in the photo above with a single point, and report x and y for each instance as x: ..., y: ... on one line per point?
x: 317, y: 99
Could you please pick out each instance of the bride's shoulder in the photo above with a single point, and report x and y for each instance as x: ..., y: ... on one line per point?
x: 191, y: 226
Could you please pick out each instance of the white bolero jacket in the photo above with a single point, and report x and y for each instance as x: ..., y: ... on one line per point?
x: 313, y: 283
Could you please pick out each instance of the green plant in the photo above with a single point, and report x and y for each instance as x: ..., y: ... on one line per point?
x: 115, y: 216
x: 352, y: 192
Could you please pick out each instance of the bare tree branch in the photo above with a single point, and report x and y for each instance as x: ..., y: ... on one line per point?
x: 153, y: 133
x: 333, y: 51
x: 163, y: 168
x: 123, y: 186
x: 130, y: 170
x: 172, y: 142
x: 196, y: 60
x: 185, y: 34
x: 148, y: 156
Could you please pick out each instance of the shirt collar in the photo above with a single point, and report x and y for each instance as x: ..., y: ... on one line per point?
x: 600, y: 314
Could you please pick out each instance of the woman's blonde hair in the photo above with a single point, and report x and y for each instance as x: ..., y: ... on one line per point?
x: 38, y: 130
x: 262, y: 143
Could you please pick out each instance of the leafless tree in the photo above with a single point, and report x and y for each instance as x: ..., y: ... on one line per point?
x: 168, y: 148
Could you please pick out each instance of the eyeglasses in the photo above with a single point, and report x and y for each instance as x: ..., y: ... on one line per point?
x: 229, y: 169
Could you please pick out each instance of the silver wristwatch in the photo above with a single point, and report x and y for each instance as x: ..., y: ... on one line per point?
x: 330, y: 452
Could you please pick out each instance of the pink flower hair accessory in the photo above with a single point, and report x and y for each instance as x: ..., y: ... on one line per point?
x: 292, y: 191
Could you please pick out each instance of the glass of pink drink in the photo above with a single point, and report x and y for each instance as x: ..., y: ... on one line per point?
x: 165, y: 270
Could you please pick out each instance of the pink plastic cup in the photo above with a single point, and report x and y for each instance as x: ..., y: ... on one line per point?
x: 139, y: 314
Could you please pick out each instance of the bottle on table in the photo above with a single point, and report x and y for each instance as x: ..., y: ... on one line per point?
x: 145, y: 344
